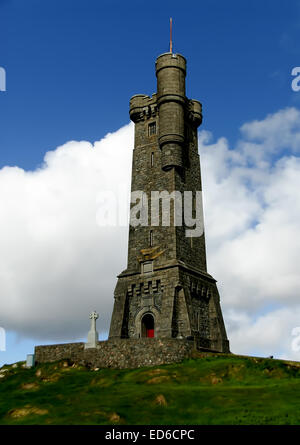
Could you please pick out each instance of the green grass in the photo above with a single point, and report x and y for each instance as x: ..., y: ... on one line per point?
x: 210, y: 390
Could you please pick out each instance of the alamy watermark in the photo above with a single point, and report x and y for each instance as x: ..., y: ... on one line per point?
x: 155, y: 208
x: 296, y: 80
x: 2, y: 79
x: 2, y: 339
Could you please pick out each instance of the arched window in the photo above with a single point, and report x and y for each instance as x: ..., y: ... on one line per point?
x: 147, y: 326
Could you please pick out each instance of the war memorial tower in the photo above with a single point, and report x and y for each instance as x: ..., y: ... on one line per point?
x: 166, y: 305
x: 165, y: 291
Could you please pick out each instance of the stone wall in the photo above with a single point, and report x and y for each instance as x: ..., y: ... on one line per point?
x: 121, y: 354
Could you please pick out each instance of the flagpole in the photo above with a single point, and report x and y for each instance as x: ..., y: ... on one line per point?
x: 171, y: 43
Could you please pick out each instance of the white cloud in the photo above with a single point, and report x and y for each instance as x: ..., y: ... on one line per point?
x: 57, y: 264
x: 268, y: 334
x: 252, y: 217
x: 277, y: 131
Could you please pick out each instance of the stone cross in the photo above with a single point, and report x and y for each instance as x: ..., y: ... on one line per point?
x: 92, y: 339
x: 94, y: 316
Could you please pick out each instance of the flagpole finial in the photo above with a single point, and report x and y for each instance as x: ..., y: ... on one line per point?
x: 171, y: 43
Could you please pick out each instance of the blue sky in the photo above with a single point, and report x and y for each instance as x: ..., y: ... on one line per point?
x: 72, y: 66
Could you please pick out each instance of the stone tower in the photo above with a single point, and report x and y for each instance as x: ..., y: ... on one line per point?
x: 166, y: 290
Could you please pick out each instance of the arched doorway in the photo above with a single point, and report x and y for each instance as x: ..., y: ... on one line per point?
x: 147, y: 326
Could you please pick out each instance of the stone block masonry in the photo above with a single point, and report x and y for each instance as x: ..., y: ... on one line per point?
x: 119, y: 353
x: 166, y: 304
x: 166, y: 291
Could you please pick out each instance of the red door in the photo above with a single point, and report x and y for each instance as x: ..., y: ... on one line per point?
x: 150, y: 333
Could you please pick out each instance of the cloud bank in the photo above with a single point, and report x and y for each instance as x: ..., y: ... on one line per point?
x: 252, y: 208
x: 57, y: 264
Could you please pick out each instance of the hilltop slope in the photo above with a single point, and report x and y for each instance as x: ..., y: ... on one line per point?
x: 210, y: 389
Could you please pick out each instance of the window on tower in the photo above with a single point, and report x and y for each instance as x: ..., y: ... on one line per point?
x: 151, y: 238
x: 152, y: 129
x: 147, y: 267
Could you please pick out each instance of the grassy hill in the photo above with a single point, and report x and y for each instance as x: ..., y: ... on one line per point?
x: 210, y: 389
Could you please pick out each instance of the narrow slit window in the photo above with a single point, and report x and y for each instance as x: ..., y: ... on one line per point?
x: 152, y: 129
x: 152, y: 159
x: 151, y: 238
x: 194, y: 206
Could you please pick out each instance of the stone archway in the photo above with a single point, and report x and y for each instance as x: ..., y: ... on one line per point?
x: 147, y: 326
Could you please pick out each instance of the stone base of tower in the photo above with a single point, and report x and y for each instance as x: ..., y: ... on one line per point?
x: 120, y: 353
x: 174, y: 302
